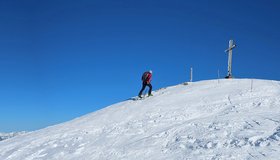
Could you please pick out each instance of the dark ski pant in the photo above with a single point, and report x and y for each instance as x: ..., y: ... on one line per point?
x: 144, y: 84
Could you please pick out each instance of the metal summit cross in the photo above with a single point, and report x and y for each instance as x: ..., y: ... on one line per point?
x: 229, y: 50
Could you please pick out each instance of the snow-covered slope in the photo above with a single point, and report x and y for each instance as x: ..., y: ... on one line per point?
x: 4, y: 136
x: 225, y: 119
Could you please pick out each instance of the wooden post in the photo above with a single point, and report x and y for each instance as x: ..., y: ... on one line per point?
x: 191, y: 75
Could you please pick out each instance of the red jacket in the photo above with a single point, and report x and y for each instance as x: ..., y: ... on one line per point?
x: 147, y: 77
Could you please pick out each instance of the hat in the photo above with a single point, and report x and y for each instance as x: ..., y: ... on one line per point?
x: 151, y: 71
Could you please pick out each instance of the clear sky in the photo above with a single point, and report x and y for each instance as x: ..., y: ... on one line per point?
x: 60, y: 59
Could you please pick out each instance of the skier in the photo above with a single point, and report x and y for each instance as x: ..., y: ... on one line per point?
x: 146, y: 81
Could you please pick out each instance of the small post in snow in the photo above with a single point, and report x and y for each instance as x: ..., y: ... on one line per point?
x: 191, y: 75
x: 229, y: 50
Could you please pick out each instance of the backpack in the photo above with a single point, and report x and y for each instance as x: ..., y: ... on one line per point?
x: 145, y: 76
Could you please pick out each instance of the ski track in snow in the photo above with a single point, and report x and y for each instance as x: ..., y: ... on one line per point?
x: 225, y: 119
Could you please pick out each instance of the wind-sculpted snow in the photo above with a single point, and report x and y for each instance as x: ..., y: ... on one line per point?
x: 225, y: 119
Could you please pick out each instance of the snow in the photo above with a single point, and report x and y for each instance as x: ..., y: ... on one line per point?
x: 4, y: 136
x: 213, y: 119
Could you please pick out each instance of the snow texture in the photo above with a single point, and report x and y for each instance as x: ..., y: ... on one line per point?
x: 4, y: 136
x: 207, y: 120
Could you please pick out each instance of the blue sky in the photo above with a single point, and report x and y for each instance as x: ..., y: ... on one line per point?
x: 63, y: 59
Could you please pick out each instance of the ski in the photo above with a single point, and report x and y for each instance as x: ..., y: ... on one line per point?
x: 140, y: 98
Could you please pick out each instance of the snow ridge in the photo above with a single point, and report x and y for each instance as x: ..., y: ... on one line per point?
x: 213, y: 119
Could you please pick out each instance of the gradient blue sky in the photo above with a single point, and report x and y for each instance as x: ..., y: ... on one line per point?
x: 62, y: 59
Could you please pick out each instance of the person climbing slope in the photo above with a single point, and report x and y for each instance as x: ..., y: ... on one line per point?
x: 146, y: 81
